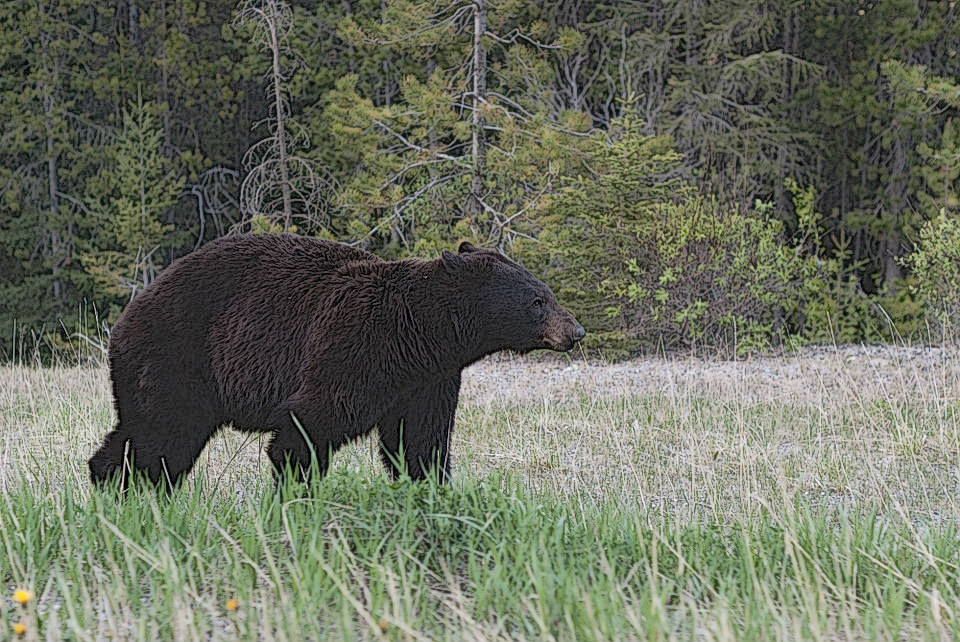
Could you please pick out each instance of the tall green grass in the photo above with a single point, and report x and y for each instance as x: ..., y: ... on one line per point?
x: 823, y: 506
x: 356, y: 557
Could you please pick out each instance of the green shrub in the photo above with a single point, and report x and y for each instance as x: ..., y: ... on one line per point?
x: 644, y: 262
x: 706, y: 276
x: 589, y: 230
x: 935, y: 263
x: 835, y: 308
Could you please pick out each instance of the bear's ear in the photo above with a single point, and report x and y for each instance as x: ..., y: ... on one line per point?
x: 450, y: 260
x: 466, y: 247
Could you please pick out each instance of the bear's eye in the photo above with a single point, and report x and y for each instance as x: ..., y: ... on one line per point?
x: 538, y: 303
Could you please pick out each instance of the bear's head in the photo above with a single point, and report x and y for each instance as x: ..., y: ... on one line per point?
x: 505, y: 306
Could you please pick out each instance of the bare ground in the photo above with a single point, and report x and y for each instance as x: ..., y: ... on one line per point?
x: 819, y: 375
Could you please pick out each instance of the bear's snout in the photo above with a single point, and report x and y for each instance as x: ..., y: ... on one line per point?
x: 562, y: 334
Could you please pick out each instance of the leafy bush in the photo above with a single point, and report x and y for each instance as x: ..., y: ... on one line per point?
x: 644, y: 262
x: 715, y: 278
x: 835, y: 307
x: 935, y: 263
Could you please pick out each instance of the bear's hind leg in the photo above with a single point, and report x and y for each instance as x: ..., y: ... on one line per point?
x: 289, y: 450
x: 112, y: 458
x: 134, y: 447
x: 170, y: 466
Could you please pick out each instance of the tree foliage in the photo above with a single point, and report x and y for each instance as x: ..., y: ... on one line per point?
x: 668, y: 267
x: 133, y: 194
x: 407, y: 125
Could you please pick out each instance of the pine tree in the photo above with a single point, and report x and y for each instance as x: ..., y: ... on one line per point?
x: 187, y: 60
x: 136, y: 192
x: 928, y: 96
x: 46, y: 150
x: 459, y: 149
x: 869, y: 129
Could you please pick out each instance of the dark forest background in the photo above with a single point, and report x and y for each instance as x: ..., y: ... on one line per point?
x: 726, y: 175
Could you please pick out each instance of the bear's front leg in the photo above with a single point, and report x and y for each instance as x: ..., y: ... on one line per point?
x: 422, y: 423
x: 304, y: 442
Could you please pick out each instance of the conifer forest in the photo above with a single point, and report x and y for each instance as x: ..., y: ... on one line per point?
x: 727, y: 176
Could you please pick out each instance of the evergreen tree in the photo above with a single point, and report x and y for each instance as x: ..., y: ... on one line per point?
x: 188, y: 62
x: 870, y: 131
x: 459, y: 149
x: 125, y: 252
x: 47, y: 139
x: 280, y: 186
x: 928, y: 96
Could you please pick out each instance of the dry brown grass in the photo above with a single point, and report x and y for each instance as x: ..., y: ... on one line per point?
x: 870, y: 428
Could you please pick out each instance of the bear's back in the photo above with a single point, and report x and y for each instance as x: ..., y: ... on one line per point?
x: 229, y: 317
x: 197, y: 287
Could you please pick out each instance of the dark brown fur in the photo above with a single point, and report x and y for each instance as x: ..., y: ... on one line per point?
x: 256, y: 330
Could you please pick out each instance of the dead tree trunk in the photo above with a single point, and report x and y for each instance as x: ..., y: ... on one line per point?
x: 53, y: 185
x: 279, y: 108
x: 478, y: 155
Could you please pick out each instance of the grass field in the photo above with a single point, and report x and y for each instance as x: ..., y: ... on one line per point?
x: 813, y: 497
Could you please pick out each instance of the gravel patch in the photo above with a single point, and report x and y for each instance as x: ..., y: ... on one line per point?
x: 815, y: 375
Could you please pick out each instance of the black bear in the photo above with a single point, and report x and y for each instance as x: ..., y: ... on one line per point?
x: 308, y: 338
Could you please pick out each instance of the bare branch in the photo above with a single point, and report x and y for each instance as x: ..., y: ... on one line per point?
x: 515, y: 35
x: 415, y: 147
x: 459, y: 13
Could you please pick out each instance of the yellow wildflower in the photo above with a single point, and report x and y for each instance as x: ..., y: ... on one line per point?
x: 19, y: 628
x: 232, y: 604
x: 22, y: 596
